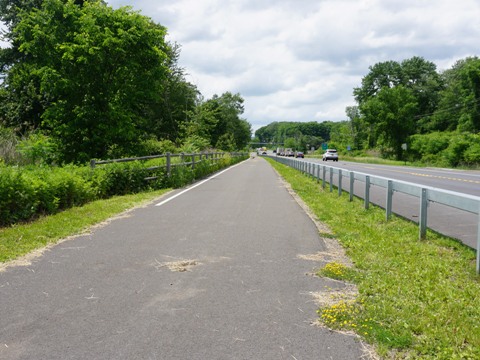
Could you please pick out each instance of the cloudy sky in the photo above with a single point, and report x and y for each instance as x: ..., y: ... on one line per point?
x: 299, y: 60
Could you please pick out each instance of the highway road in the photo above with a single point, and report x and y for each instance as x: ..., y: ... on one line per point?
x: 455, y: 223
x: 463, y: 181
x: 220, y: 270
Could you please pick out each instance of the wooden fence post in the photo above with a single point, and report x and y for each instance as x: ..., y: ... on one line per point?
x: 169, y: 163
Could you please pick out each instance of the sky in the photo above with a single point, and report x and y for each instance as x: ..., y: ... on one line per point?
x: 299, y: 60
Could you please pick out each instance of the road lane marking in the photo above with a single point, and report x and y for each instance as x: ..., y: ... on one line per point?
x: 194, y: 186
x: 437, y: 176
x: 427, y: 175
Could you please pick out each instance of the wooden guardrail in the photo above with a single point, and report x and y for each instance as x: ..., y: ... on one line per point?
x: 194, y: 158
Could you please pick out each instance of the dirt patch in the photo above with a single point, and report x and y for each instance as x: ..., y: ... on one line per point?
x: 331, y: 297
x: 177, y: 266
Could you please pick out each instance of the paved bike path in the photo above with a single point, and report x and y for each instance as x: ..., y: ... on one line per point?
x: 214, y: 273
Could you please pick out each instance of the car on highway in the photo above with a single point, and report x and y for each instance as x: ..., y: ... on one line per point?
x: 330, y: 154
x: 299, y: 154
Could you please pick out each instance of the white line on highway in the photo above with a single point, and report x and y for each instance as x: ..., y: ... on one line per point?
x: 194, y: 186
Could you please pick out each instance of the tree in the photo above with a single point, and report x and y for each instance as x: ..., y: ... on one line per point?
x: 357, y: 128
x: 94, y: 73
x: 227, y: 109
x: 382, y: 75
x: 416, y: 74
x: 459, y: 104
x: 392, y: 112
x: 177, y: 100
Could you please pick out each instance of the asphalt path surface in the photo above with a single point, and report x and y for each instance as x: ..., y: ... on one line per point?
x: 213, y: 272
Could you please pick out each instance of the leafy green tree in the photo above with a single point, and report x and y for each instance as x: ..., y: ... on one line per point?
x: 417, y: 75
x: 357, y: 127
x: 459, y: 104
x: 203, y: 120
x: 227, y: 109
x: 95, y: 72
x: 176, y: 100
x: 392, y: 112
x: 382, y: 75
x: 422, y: 78
x: 226, y: 142
x: 291, y: 143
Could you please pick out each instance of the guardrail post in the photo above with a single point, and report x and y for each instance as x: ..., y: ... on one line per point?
x: 422, y: 222
x: 478, y: 242
x: 331, y: 179
x: 367, y: 192
x: 169, y: 164
x: 324, y: 175
x: 339, y: 182
x: 318, y: 173
x: 193, y: 161
x: 388, y: 205
x: 352, y: 181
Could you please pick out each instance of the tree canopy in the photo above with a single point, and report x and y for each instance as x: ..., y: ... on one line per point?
x: 100, y: 81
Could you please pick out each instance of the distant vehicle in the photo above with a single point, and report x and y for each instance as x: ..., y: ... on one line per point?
x: 299, y: 154
x: 330, y: 154
x: 289, y: 152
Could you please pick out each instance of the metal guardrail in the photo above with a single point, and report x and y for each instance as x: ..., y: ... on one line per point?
x: 425, y: 194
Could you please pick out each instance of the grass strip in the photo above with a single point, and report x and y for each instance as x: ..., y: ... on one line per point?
x: 417, y: 299
x: 21, y: 239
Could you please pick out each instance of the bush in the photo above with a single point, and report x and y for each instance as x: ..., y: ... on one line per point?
x: 155, y: 147
x: 37, y: 149
x: 17, y: 196
x: 447, y: 149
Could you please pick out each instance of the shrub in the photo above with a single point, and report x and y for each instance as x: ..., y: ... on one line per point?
x: 37, y: 148
x: 155, y: 147
x: 17, y: 196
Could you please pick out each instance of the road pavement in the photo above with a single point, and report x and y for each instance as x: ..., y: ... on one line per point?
x: 214, y: 272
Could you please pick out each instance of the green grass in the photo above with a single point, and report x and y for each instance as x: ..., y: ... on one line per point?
x: 417, y: 299
x: 21, y: 239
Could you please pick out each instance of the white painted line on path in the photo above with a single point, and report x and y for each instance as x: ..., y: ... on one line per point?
x: 194, y: 186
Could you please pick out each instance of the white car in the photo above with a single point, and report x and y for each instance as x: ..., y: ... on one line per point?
x: 330, y: 154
